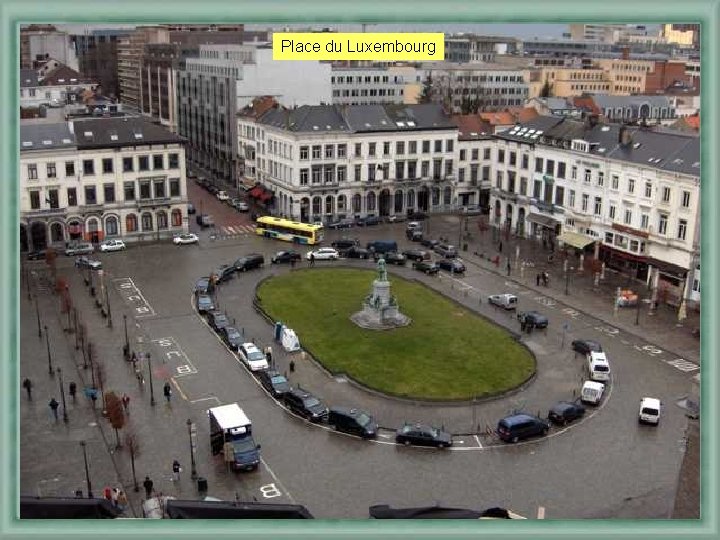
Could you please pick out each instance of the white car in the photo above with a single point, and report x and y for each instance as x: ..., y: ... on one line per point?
x: 222, y: 196
x: 507, y: 301
x: 253, y: 357
x: 323, y: 254
x: 188, y: 238
x: 649, y: 411
x: 112, y: 245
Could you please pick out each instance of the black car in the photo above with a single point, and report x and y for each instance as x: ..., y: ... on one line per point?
x: 218, y: 320
x: 586, y: 346
x: 416, y: 254
x: 37, y: 255
x: 565, y: 412
x: 430, y: 268
x: 344, y: 244
x: 285, y: 257
x: 305, y: 404
x: 417, y: 216
x: 344, y: 223
x: 213, y: 189
x: 353, y: 421
x: 274, y: 382
x: 368, y: 221
x: 423, y: 435
x: 250, y: 261
x: 87, y: 262
x: 533, y: 318
x: 356, y: 252
x: 521, y: 426
x: 429, y: 243
x: 203, y: 286
x: 205, y: 304
x: 391, y: 257
x: 232, y: 337
x: 414, y: 236
x: 452, y: 265
x: 224, y: 273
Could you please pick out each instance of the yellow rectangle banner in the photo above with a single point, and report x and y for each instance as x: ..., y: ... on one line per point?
x: 394, y: 46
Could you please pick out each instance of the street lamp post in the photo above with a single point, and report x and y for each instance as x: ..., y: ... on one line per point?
x: 193, y: 468
x: 87, y: 471
x: 109, y: 312
x: 62, y: 394
x: 37, y: 313
x: 152, y: 392
x: 126, y: 349
x: 51, y: 371
x: 637, y: 312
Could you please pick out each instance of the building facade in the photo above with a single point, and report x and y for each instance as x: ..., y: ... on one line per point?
x: 102, y: 178
x: 375, y: 85
x: 471, y: 48
x: 40, y: 42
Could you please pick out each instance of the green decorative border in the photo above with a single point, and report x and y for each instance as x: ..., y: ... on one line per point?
x: 326, y: 12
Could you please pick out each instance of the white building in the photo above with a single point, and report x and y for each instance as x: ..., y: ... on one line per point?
x: 374, y: 85
x: 629, y: 197
x: 100, y: 178
x: 328, y: 162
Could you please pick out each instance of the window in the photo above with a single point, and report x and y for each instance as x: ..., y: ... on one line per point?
x: 438, y: 146
x: 549, y: 167
x: 400, y: 148
x: 174, y: 187
x: 304, y: 152
x: 601, y: 179
x: 69, y: 168
x: 341, y: 173
x: 513, y: 159
x: 143, y: 163
x: 35, y: 200
x: 51, y: 172
x: 341, y: 150
x: 162, y: 222
x: 371, y: 149
x: 628, y: 217
x: 571, y: 199
x: 501, y: 156
x: 109, y: 193
x: 537, y: 189
x: 559, y: 195
x: 316, y: 151
x: 463, y: 155
x: 176, y: 217
x: 685, y: 199
x: 147, y: 222
x: 631, y: 185
x: 32, y: 171
x: 127, y: 164
x: 111, y: 226
x: 412, y: 147
x: 386, y: 149
x: 662, y: 224
x: 538, y: 165
x: 588, y: 175
x: 72, y: 196
x: 173, y: 161
x: 304, y: 175
x: 107, y: 165
x: 425, y: 169
x: 525, y: 163
x: 585, y: 199
x: 486, y: 173
x: 329, y: 151
x: 449, y: 145
x: 682, y: 229
x: 131, y: 223
x: 666, y: 194
x: 329, y: 174
x: 461, y: 174
x: 316, y: 174
x: 486, y: 154
x: 597, y: 207
x: 88, y: 167
x: 644, y: 221
x: 523, y: 186
x: 90, y: 195
x: 448, y: 167
x: 145, y: 189
x: 426, y: 147
x: 648, y: 190
x: 573, y: 172
x: 371, y: 172
x: 358, y: 149
x: 615, y: 182
x: 611, y: 211
x: 129, y: 189
x: 561, y: 169
x: 159, y: 186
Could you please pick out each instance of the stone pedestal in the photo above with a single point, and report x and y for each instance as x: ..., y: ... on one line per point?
x: 379, y: 309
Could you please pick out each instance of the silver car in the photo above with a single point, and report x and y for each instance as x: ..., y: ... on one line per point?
x: 79, y: 248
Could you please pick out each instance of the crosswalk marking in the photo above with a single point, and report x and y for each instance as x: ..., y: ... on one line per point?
x: 236, y: 230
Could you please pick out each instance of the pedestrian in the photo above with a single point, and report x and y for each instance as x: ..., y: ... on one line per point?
x: 176, y: 469
x: 107, y: 493
x: 133, y: 358
x: 72, y: 387
x: 93, y: 396
x: 54, y: 407
x: 167, y: 391
x: 537, y: 280
x: 114, y: 496
x: 292, y: 262
x: 544, y: 243
x: 312, y: 259
x: 522, y: 323
x: 126, y: 403
x: 508, y: 267
x: 27, y: 385
x: 268, y: 354
x: 546, y: 278
x: 148, y: 485
x: 292, y: 366
x: 500, y: 247
x: 122, y: 500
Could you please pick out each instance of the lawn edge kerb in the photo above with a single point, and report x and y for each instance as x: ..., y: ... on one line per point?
x: 488, y: 396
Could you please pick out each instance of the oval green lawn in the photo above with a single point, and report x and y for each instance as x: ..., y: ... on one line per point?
x: 446, y: 353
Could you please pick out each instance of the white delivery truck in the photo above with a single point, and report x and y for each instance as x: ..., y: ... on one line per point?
x: 598, y: 366
x: 231, y: 430
x: 592, y: 392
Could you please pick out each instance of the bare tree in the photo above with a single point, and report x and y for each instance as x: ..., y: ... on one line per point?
x: 115, y: 414
x: 132, y: 443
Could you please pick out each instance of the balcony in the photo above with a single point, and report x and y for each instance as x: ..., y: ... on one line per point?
x: 162, y: 201
x: 45, y: 213
x: 91, y: 208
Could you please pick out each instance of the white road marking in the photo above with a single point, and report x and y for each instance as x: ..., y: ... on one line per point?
x: 206, y: 399
x: 541, y: 512
x: 384, y: 436
x: 477, y: 439
x: 277, y: 480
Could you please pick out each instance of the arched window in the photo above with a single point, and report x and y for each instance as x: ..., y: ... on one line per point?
x: 316, y: 203
x: 162, y: 220
x: 357, y: 203
x: 329, y: 204
x: 371, y: 201
x: 147, y: 221
x: 56, y: 233
x: 411, y: 198
x: 176, y: 216
x: 131, y: 223
x: 341, y: 203
x: 447, y: 195
x: 399, y: 201
x: 111, y: 226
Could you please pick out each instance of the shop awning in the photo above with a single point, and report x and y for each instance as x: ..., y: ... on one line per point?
x: 545, y: 221
x: 576, y: 240
x: 668, y: 268
x: 266, y: 196
x: 256, y: 192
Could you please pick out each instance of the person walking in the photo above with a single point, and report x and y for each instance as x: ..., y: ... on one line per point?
x: 268, y: 354
x: 537, y: 280
x: 126, y: 403
x: 167, y: 391
x: 176, y: 469
x: 122, y: 500
x: 500, y: 247
x: 107, y: 494
x: 115, y: 494
x: 509, y: 267
x: 54, y: 407
x: 72, y: 388
x: 312, y: 259
x: 27, y: 385
x: 148, y: 485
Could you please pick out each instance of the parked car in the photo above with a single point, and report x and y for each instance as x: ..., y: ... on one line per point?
x: 356, y: 252
x: 190, y: 209
x: 533, y: 318
x: 344, y: 244
x: 429, y: 243
x: 87, y: 262
x: 203, y: 286
x: 414, y: 226
x: 598, y: 366
x: 416, y: 254
x: 79, y: 248
x: 205, y: 220
x: 274, y: 382
x: 112, y: 245
x: 344, y: 223
x: 285, y: 257
x: 397, y: 218
x: 454, y: 266
x: 367, y: 221
x: 37, y: 255
x: 592, y: 392
x: 507, y: 301
x: 253, y: 357
x: 423, y: 435
x: 649, y: 411
x: 305, y: 404
x: 323, y: 254
x: 214, y: 190
x: 242, y: 206
x: 224, y: 273
x: 249, y: 261
x: 516, y: 427
x: 218, y: 320
x: 564, y: 412
x: 222, y: 195
x: 382, y: 246
x: 447, y: 251
x: 417, y: 216
x: 204, y: 303
x: 353, y: 421
x: 585, y: 346
x: 232, y: 337
x: 415, y: 235
x: 430, y: 268
x: 391, y: 257
x: 186, y: 238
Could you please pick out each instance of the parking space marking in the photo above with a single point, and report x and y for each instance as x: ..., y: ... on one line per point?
x: 177, y: 387
x: 206, y: 399
x: 477, y: 439
x: 132, y: 295
x: 174, y: 353
x: 277, y: 480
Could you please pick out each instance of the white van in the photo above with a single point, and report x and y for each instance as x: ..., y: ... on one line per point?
x: 649, y: 411
x: 592, y: 392
x: 598, y: 366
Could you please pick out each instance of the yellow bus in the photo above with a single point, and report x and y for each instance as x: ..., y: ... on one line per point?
x: 288, y: 230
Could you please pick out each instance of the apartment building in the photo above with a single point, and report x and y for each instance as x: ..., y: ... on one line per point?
x: 472, y: 48
x: 568, y: 82
x: 374, y: 85
x: 130, y: 50
x: 40, y: 42
x: 98, y: 57
x: 100, y: 178
x: 628, y: 197
x: 57, y: 89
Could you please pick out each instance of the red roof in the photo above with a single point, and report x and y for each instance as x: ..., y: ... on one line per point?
x: 471, y: 126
